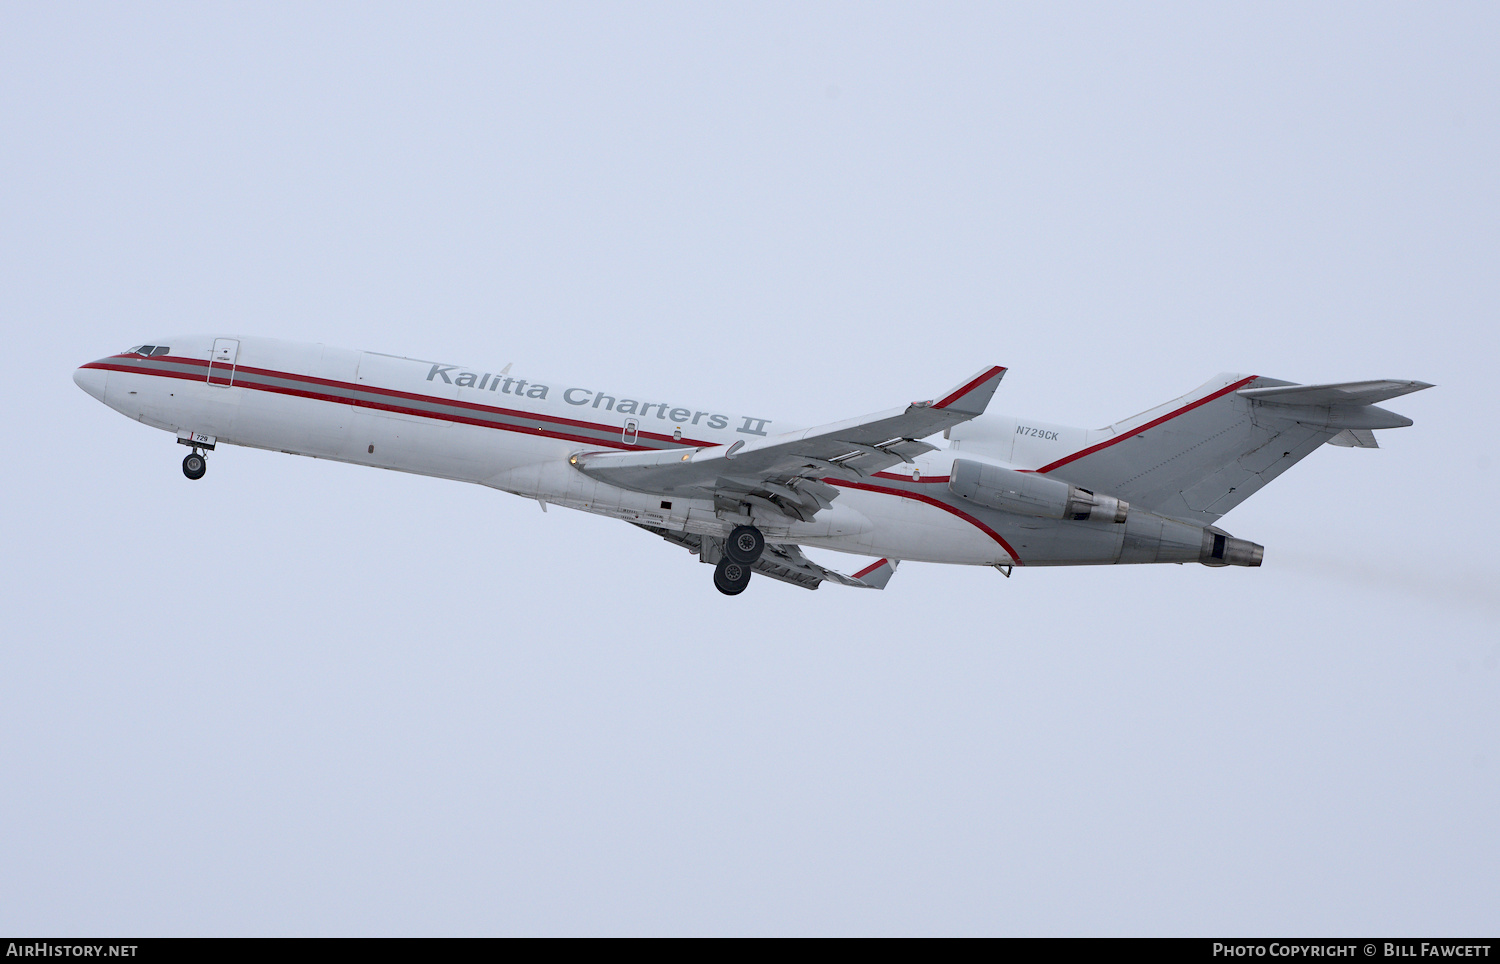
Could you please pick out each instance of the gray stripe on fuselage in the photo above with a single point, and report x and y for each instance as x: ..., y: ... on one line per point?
x: 376, y: 399
x: 156, y: 366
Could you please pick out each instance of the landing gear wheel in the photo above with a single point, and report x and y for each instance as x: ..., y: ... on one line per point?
x: 194, y: 466
x: 730, y: 577
x: 744, y: 545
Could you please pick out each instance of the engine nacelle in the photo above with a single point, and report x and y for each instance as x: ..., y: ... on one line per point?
x: 1222, y: 549
x: 1028, y: 493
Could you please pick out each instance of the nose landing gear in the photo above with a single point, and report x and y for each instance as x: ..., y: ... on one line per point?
x: 194, y: 465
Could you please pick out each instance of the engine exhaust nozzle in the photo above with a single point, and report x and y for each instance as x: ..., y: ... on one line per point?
x: 1222, y: 549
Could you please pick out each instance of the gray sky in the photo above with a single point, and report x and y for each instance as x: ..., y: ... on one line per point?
x: 308, y: 698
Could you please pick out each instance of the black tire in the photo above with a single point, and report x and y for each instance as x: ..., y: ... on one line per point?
x: 194, y: 466
x: 744, y: 545
x: 731, y: 577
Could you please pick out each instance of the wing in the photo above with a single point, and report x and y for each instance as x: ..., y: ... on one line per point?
x: 781, y: 473
x: 786, y: 563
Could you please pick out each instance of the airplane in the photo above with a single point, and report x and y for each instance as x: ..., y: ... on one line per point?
x: 743, y: 493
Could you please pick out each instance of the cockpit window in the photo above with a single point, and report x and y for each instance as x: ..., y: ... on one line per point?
x: 160, y: 350
x: 149, y: 350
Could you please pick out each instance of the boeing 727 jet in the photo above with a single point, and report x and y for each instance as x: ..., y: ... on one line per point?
x: 937, y: 480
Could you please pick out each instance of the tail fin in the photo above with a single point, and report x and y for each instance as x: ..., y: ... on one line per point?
x: 1198, y: 456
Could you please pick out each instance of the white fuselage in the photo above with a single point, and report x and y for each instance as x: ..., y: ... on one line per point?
x: 515, y: 432
x: 536, y: 438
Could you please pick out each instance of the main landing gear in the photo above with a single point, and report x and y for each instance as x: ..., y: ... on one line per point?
x: 194, y: 465
x: 744, y: 545
x: 741, y: 550
x: 730, y: 577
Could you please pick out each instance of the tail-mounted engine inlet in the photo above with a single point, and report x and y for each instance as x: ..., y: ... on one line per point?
x: 1028, y: 493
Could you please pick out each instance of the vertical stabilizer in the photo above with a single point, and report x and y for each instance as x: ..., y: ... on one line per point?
x: 1198, y: 456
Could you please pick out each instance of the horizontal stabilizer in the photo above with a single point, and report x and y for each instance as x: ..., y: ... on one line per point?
x: 1345, y: 405
x: 1337, y: 393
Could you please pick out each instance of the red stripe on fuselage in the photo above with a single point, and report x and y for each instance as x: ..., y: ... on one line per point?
x: 475, y: 406
x: 1149, y: 425
x: 865, y: 486
x: 394, y: 393
x: 907, y: 478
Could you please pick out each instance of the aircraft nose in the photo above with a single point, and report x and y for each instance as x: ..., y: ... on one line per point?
x: 91, y: 380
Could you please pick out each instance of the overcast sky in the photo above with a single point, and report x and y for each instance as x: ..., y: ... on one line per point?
x: 300, y: 697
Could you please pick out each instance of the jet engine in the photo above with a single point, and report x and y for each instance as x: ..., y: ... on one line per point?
x: 1222, y: 549
x: 1028, y: 493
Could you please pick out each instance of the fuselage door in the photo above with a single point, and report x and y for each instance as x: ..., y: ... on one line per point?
x: 632, y: 429
x: 221, y: 362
